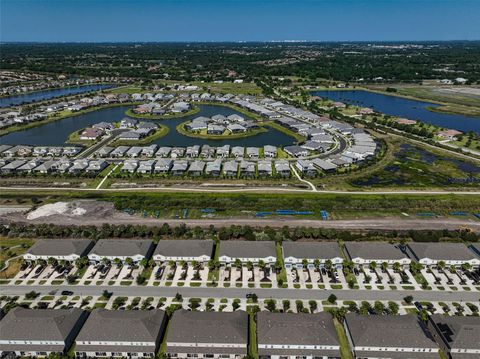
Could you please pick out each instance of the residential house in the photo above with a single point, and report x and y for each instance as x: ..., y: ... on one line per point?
x: 194, y: 334
x: 214, y: 168
x: 306, y: 168
x: 145, y: 167
x: 121, y: 333
x: 282, y: 168
x: 130, y: 166
x: 297, y: 335
x: 238, y: 151
x: 163, y: 166
x: 264, y: 168
x: 179, y: 168
x: 270, y: 151
x: 389, y: 337
x: 196, y: 168
x: 39, y: 332
x: 61, y: 249
x: 122, y: 249
x: 362, y: 254
x: 296, y: 151
x: 457, y: 336
x: 247, y: 251
x: 119, y: 151
x: 188, y: 250
x: 253, y: 152
x: 230, y: 169
x: 452, y: 254
x: 295, y: 252
x: 247, y: 169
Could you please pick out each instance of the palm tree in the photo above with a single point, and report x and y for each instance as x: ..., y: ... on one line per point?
x: 305, y: 263
x: 52, y: 261
x: 396, y: 267
x: 117, y: 262
x: 129, y: 261
x: 466, y: 267
x: 144, y: 262
x: 237, y: 263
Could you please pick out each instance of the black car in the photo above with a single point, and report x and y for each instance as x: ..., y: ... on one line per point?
x: 67, y: 292
x: 418, y: 305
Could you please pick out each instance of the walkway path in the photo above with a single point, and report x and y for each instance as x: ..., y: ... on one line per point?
x: 310, y: 184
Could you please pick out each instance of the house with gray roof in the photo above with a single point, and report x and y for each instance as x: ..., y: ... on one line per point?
x: 264, y: 168
x: 28, y: 166
x: 253, y: 152
x: 122, y: 249
x: 282, y: 168
x: 215, y: 129
x: 214, y: 168
x: 96, y: 166
x: 324, y: 165
x: 238, y: 151
x: 145, y: 167
x: 196, y: 168
x: 364, y: 253
x: 187, y: 250
x: 104, y: 151
x: 295, y: 252
x: 149, y: 151
x: 179, y: 168
x: 130, y: 166
x: 163, y: 165
x: 294, y: 335
x: 60, y: 249
x: 296, y: 151
x: 247, y: 251
x: 223, y: 151
x: 389, y: 337
x: 230, y: 169
x: 207, y: 334
x: 306, y: 168
x: 177, y: 152
x: 134, y: 151
x: 247, y: 169
x: 163, y: 151
x: 457, y: 336
x: 121, y: 333
x: 193, y: 151
x: 430, y: 254
x: 270, y: 151
x: 119, y: 151
x: 39, y: 332
x: 12, y: 166
x: 45, y: 167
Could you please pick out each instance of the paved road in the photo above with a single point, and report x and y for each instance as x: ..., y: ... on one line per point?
x: 241, y: 292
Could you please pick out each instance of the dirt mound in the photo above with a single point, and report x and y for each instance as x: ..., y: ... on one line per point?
x: 84, y: 209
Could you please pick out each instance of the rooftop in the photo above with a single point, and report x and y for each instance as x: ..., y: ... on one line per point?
x: 60, y: 247
x: 442, y: 251
x: 312, y: 250
x: 247, y: 249
x: 184, y: 248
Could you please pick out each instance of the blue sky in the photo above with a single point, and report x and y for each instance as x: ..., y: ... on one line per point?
x: 238, y: 20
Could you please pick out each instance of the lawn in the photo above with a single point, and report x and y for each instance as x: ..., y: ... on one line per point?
x: 11, y: 248
x: 345, y: 350
x: 252, y: 342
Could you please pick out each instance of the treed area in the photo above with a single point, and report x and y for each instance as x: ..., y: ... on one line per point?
x: 392, y: 62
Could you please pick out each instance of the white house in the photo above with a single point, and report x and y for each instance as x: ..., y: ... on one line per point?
x: 247, y: 251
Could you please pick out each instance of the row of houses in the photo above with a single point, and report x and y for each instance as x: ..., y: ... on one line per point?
x: 294, y: 253
x: 44, y: 111
x: 218, y: 124
x: 232, y: 168
x: 53, y: 166
x: 194, y: 334
x: 38, y: 151
x: 195, y: 151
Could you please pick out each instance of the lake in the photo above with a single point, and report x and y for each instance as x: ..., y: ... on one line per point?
x: 57, y: 132
x: 49, y: 94
x: 399, y: 106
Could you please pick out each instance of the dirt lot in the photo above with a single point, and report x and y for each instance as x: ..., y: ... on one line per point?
x: 91, y: 212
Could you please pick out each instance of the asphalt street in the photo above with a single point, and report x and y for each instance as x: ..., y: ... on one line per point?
x: 316, y: 294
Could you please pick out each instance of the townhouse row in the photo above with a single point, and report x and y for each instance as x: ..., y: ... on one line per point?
x: 294, y: 253
x: 193, y: 334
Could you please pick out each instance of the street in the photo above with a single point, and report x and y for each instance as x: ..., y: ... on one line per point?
x: 197, y: 292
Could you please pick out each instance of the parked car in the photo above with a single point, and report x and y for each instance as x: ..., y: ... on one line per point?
x: 66, y: 292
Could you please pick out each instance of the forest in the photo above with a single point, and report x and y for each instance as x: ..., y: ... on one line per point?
x: 359, y: 62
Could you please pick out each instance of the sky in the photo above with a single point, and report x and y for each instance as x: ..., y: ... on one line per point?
x: 238, y: 20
